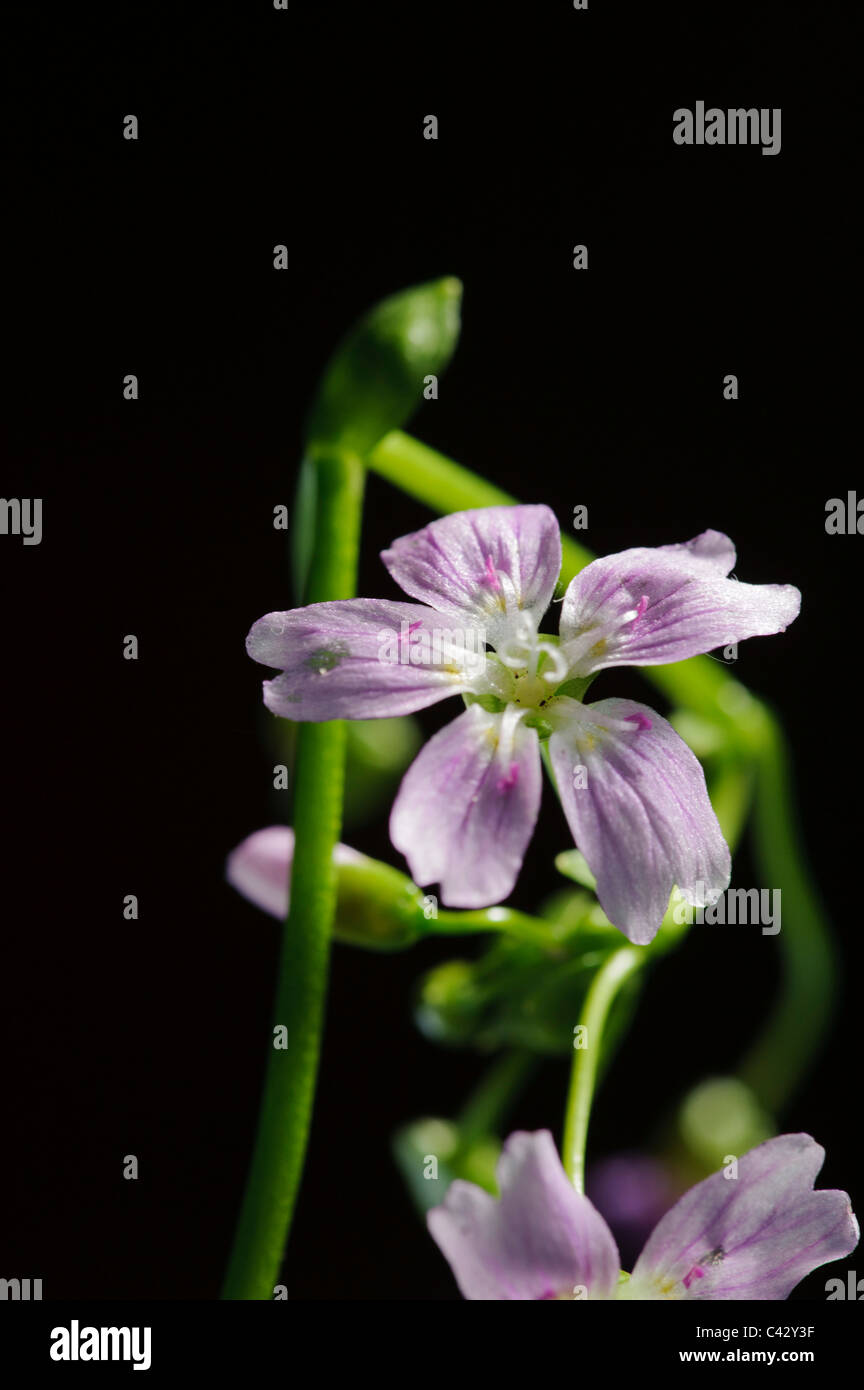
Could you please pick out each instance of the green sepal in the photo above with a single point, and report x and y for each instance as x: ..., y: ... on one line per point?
x: 377, y: 907
x: 576, y: 687
x: 491, y: 703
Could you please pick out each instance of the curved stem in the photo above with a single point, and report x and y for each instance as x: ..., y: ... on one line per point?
x: 604, y: 989
x: 289, y: 1088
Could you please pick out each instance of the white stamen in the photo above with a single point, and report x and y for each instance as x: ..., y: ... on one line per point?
x: 558, y: 671
x: 507, y: 737
x: 524, y: 637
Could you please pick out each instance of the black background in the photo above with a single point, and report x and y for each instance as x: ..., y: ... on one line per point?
x: 604, y: 388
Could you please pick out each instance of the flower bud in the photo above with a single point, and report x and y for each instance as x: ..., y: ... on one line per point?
x: 375, y: 380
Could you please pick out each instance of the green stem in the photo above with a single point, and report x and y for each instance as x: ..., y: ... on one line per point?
x: 494, y: 919
x: 289, y: 1087
x: 440, y: 482
x: 598, y: 1001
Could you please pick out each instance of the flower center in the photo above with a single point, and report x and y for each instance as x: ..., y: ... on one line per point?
x: 531, y: 692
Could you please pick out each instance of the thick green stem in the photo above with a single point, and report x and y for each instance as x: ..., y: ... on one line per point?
x: 289, y: 1088
x: 588, y: 1046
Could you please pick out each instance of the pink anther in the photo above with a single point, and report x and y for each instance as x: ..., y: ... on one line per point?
x: 641, y: 719
x: 505, y: 783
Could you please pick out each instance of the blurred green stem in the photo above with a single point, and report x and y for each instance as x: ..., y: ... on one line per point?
x: 487, y: 1106
x: 785, y: 1050
x: 289, y: 1088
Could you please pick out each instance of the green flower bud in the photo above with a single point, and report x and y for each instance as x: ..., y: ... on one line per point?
x: 377, y: 906
x: 375, y: 380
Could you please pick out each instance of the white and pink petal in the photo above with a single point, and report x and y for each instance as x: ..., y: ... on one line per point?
x: 260, y: 867
x: 467, y: 807
x: 647, y: 607
x: 751, y: 1236
x: 489, y: 567
x: 363, y: 659
x: 541, y: 1240
x: 636, y: 802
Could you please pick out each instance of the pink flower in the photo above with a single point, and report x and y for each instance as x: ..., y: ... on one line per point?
x: 467, y: 807
x: 751, y: 1236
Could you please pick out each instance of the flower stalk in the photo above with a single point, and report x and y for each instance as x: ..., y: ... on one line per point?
x: 289, y: 1088
x: 605, y: 987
